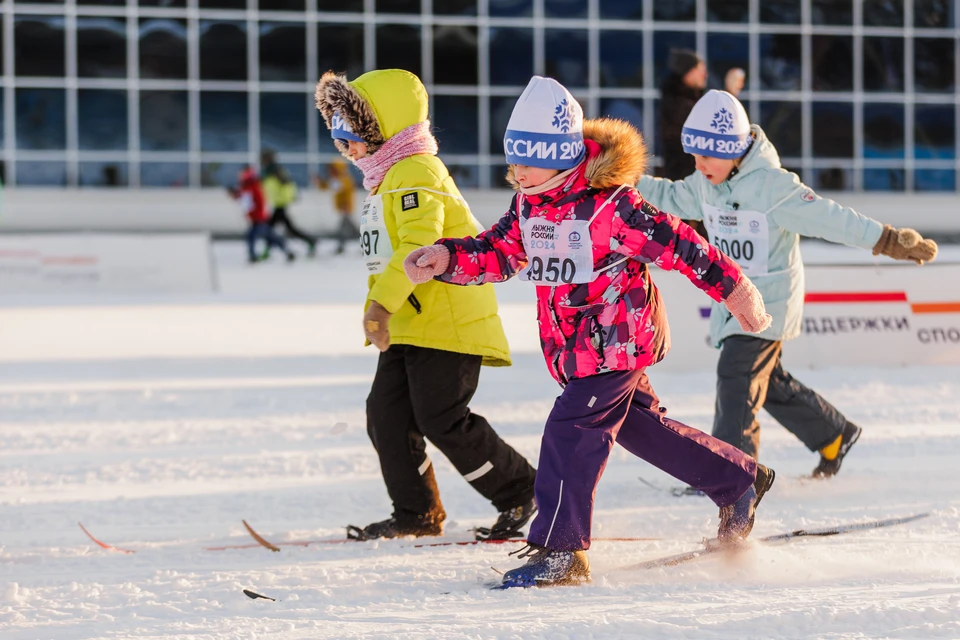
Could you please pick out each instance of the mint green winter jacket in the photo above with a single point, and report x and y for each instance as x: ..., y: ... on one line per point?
x: 791, y: 210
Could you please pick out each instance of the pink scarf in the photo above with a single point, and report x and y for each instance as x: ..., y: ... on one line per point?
x: 414, y: 140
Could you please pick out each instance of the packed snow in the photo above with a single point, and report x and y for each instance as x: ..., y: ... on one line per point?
x: 161, y: 423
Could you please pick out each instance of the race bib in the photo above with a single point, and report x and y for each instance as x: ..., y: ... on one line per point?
x: 374, y: 237
x: 742, y: 235
x: 557, y: 253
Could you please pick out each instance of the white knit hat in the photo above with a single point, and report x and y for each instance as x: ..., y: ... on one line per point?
x: 717, y: 127
x: 545, y: 128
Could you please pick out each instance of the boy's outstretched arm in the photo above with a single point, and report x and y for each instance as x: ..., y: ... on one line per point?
x: 680, y: 197
x: 493, y: 256
x: 799, y: 209
x: 648, y: 235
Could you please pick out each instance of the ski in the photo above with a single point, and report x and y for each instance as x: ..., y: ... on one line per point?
x: 712, y: 545
x: 463, y: 543
x: 275, y: 546
x: 253, y: 595
x: 677, y: 492
x: 104, y: 545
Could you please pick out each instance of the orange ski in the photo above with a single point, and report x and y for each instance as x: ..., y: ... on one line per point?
x: 104, y: 545
x: 260, y: 539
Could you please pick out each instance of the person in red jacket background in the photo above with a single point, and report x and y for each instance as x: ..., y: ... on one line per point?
x: 249, y: 193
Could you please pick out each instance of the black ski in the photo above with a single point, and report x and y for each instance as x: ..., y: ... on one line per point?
x: 713, y: 546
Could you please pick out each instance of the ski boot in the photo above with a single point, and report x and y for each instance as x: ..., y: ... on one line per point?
x: 736, y: 520
x: 509, y: 523
x: 547, y: 568
x: 393, y: 527
x: 829, y: 468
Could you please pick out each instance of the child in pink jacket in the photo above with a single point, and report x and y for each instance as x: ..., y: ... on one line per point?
x: 578, y: 232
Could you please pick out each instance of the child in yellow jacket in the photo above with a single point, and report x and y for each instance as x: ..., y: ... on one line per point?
x: 433, y: 339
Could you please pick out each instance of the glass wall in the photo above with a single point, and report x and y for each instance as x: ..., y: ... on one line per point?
x: 856, y: 94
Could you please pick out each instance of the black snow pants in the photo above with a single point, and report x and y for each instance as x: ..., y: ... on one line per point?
x: 750, y: 377
x: 423, y: 393
x: 280, y: 216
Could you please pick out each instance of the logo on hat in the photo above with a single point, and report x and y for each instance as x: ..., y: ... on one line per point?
x: 564, y: 119
x: 340, y: 129
x: 722, y: 121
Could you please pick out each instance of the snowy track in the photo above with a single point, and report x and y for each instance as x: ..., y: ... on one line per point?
x: 165, y: 454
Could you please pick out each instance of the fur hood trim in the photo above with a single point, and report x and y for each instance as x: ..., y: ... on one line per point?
x: 334, y: 93
x: 622, y: 158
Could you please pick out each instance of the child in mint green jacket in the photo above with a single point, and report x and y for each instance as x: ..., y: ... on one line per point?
x: 755, y: 211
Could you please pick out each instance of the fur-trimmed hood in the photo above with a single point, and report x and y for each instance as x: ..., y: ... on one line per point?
x: 622, y: 155
x: 377, y: 105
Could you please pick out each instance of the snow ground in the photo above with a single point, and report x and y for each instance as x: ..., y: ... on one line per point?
x: 161, y: 423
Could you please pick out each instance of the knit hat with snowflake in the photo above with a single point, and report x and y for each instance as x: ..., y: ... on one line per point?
x: 545, y: 128
x: 717, y: 127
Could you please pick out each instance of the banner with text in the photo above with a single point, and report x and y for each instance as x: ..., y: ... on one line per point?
x: 106, y: 263
x: 888, y: 315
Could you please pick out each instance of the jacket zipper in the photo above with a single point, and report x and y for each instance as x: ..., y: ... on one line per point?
x: 415, y: 303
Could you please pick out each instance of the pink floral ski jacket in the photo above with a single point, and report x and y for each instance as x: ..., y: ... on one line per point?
x: 616, y: 322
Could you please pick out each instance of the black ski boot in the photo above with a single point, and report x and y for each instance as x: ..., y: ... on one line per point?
x: 547, y: 568
x: 736, y: 520
x: 829, y: 468
x: 393, y: 527
x: 509, y: 523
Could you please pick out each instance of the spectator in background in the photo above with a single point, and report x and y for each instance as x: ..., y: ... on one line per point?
x: 341, y: 183
x: 281, y: 192
x: 734, y: 80
x: 685, y: 84
x: 249, y: 193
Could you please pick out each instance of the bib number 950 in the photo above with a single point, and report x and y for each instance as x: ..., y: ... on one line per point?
x: 556, y: 270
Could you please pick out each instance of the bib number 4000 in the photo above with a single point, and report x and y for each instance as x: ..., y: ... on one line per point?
x: 369, y: 242
x: 736, y: 249
x: 557, y: 270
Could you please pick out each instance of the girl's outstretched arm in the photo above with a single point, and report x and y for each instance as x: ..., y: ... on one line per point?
x: 648, y: 235
x: 495, y: 255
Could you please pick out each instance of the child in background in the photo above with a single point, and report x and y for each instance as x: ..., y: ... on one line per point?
x: 757, y: 211
x: 281, y: 192
x: 432, y: 340
x: 584, y: 237
x: 341, y: 183
x: 249, y: 193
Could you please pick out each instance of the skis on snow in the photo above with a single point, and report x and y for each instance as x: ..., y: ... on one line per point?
x: 712, y: 546
x: 104, y: 545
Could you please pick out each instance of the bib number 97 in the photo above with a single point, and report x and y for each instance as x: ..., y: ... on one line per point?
x: 369, y: 241
x: 736, y: 249
x: 556, y: 270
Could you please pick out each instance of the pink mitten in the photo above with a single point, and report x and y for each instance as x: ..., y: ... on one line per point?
x: 426, y: 262
x: 746, y: 305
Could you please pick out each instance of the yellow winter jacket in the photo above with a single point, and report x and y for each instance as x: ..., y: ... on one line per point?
x: 433, y: 315
x: 279, y: 194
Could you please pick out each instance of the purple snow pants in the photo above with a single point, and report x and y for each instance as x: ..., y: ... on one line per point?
x: 587, y: 419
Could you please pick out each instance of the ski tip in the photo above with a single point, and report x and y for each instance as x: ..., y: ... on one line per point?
x: 103, y: 545
x: 253, y: 595
x: 260, y: 539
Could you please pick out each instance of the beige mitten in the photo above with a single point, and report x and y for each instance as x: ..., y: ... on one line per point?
x: 905, y: 244
x: 376, y: 325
